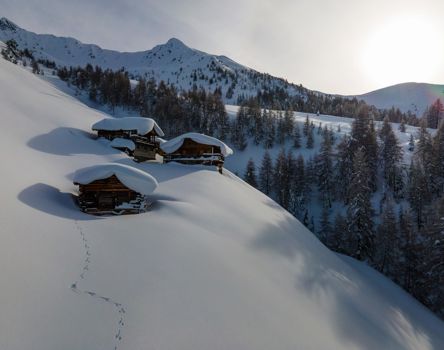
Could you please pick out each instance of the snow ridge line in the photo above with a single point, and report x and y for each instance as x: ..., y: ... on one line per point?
x: 74, y: 287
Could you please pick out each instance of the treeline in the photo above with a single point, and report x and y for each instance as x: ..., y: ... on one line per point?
x: 402, y: 233
x: 278, y: 98
x: 177, y: 112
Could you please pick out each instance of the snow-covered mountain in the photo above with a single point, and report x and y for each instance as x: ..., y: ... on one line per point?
x: 414, y: 97
x: 173, y: 62
x: 215, y: 264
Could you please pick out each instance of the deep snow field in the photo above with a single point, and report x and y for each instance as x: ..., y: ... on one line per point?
x: 214, y: 265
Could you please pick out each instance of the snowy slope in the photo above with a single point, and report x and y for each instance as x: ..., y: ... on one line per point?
x: 172, y: 62
x: 214, y: 265
x: 414, y: 97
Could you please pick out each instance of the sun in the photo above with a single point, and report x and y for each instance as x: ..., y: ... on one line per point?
x: 404, y: 49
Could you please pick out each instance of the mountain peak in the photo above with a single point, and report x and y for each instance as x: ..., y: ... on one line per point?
x: 174, y: 42
x: 6, y: 24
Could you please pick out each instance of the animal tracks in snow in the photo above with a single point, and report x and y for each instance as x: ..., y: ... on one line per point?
x: 75, y: 288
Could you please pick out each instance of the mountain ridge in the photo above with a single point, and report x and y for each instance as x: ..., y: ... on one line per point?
x: 176, y: 63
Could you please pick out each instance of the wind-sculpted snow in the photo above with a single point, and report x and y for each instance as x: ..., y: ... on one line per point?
x: 213, y: 265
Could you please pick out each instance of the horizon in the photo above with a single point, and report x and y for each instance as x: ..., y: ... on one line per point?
x: 351, y: 64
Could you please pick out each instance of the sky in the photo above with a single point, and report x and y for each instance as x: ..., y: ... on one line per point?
x: 335, y: 46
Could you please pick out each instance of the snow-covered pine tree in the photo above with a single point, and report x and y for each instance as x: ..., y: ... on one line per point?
x: 402, y: 125
x: 359, y: 212
x: 411, y: 143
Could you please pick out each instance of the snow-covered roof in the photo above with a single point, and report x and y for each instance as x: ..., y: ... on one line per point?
x: 160, y: 140
x: 135, y: 179
x: 123, y: 143
x: 142, y: 125
x: 174, y: 144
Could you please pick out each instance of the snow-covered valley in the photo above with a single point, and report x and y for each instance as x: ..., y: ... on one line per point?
x: 214, y: 264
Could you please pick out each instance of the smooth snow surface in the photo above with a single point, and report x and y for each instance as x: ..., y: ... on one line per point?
x: 142, y: 125
x: 135, y: 179
x: 174, y: 144
x: 213, y: 265
x: 118, y: 142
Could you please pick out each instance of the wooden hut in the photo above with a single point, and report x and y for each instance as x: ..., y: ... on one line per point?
x: 144, y: 132
x: 194, y: 148
x: 113, y: 189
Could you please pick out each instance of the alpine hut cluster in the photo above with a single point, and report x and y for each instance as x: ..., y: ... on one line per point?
x: 120, y: 189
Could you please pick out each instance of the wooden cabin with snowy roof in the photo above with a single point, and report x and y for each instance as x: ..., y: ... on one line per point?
x: 195, y: 148
x: 113, y: 189
x: 143, y: 132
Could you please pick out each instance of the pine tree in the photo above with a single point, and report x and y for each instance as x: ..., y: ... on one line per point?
x: 387, y: 241
x: 363, y: 136
x: 407, y: 263
x: 298, y: 188
x: 338, y: 241
x: 359, y: 211
x: 430, y: 287
x: 344, y: 168
x: 325, y: 230
x: 418, y: 190
x: 402, y: 125
x: 324, y: 170
x: 266, y: 174
x: 411, y: 143
x: 310, y: 138
x: 281, y: 183
x: 296, y: 136
x: 306, y: 127
x: 250, y: 173
x: 435, y: 114
x: 436, y: 165
x: 391, y: 154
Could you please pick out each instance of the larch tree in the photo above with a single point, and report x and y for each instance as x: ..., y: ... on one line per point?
x: 359, y: 211
x: 250, y: 173
x: 266, y: 174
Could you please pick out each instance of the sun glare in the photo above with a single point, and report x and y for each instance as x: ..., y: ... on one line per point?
x: 401, y: 50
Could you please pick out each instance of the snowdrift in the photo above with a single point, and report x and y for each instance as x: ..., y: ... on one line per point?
x: 214, y: 265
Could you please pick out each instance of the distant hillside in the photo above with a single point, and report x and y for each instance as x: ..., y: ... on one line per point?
x: 407, y: 96
x: 172, y: 62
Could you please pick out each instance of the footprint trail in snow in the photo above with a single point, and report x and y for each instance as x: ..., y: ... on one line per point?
x: 75, y: 288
